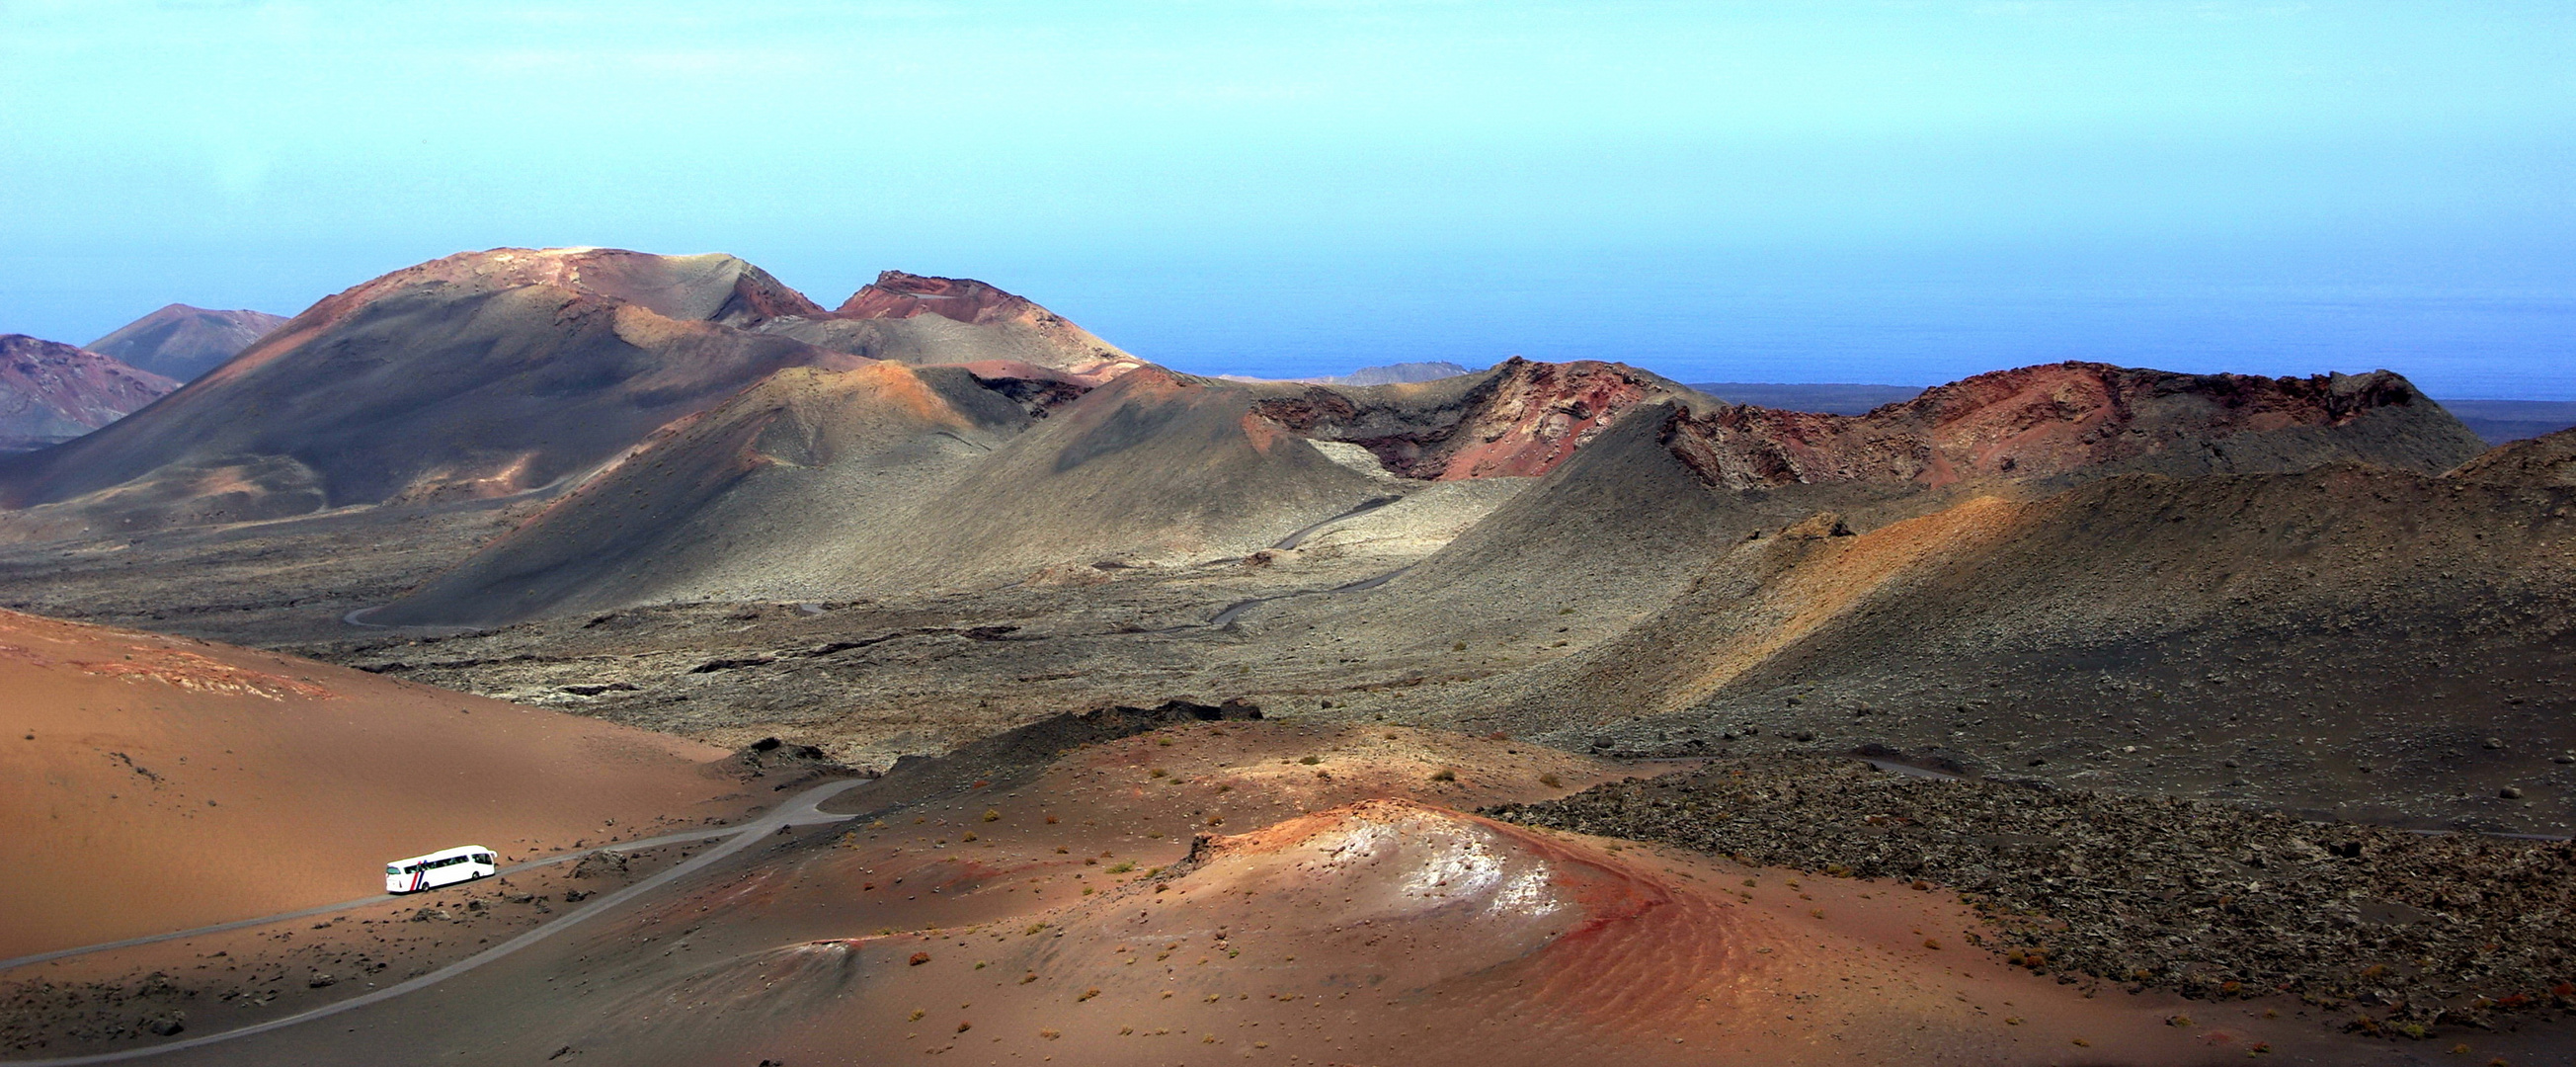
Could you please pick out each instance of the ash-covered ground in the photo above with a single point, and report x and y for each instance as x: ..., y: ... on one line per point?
x: 2403, y: 931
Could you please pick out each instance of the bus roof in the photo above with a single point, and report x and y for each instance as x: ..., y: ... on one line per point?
x: 441, y: 854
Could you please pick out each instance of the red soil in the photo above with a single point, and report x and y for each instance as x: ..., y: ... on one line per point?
x: 50, y: 391
x: 1521, y: 419
x: 897, y: 295
x: 152, y: 783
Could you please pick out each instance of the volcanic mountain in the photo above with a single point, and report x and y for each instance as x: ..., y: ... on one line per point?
x: 476, y: 376
x: 911, y: 318
x: 1626, y: 524
x: 183, y: 342
x: 829, y: 485
x: 52, y: 392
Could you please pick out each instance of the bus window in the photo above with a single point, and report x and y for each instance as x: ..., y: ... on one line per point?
x: 392, y: 869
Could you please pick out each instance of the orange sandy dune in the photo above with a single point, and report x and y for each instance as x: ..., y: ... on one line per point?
x: 151, y: 783
x: 1007, y: 925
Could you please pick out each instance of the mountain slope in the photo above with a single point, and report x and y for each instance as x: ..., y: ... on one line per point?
x: 2547, y: 461
x: 156, y: 783
x: 911, y: 318
x: 1153, y: 469
x: 183, y: 342
x: 52, y: 392
x: 889, y: 479
x: 1625, y: 524
x: 2306, y: 637
x: 729, y: 502
x: 482, y: 374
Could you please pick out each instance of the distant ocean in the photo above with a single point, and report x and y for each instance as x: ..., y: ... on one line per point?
x: 2511, y: 338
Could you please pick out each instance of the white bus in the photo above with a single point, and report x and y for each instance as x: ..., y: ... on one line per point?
x: 463, y: 863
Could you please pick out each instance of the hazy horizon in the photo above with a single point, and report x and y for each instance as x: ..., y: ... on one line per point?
x: 1876, y: 192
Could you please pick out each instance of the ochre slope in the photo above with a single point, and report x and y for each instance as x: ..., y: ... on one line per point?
x: 152, y: 783
x: 2304, y: 637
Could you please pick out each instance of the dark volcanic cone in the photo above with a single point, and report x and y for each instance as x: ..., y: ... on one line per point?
x: 183, y: 342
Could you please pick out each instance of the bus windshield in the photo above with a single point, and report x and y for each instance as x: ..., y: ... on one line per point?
x: 393, y: 869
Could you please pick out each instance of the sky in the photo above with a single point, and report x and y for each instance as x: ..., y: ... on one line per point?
x: 1887, y: 192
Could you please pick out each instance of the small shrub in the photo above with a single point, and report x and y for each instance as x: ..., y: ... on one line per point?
x: 919, y: 958
x: 1550, y: 780
x: 1311, y: 760
x: 1444, y: 774
x: 992, y: 815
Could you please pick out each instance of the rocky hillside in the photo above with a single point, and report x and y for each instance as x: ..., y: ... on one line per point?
x: 482, y: 375
x: 52, y: 392
x: 183, y: 342
x: 2090, y: 418
x: 911, y: 318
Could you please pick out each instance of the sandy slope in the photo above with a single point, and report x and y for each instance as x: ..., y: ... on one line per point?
x: 151, y: 783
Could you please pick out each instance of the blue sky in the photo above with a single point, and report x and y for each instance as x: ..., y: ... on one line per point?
x: 1778, y: 191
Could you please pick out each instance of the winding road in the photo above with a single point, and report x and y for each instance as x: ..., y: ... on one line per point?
x: 801, y: 810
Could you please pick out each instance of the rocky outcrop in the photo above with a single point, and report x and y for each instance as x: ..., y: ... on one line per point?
x: 183, y: 342
x: 1521, y: 418
x: 897, y: 295
x: 2544, y: 462
x: 52, y: 392
x: 2056, y: 419
x: 927, y: 321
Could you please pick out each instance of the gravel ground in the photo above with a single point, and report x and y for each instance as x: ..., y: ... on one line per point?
x: 2405, y: 931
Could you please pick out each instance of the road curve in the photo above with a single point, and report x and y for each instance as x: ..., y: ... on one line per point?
x: 325, y: 909
x: 802, y: 810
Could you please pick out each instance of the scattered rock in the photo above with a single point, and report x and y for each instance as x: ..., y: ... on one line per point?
x: 2208, y: 899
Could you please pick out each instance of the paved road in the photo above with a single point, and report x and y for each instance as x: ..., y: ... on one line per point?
x: 802, y: 810
x: 1235, y: 610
